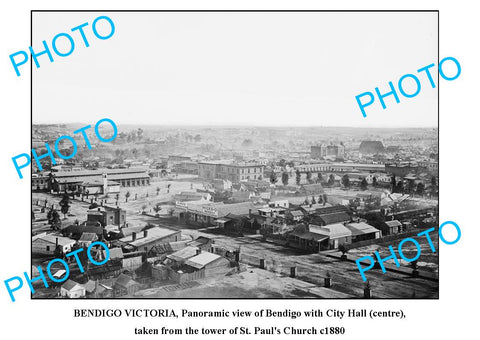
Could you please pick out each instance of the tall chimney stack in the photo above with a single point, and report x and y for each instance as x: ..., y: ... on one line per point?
x: 145, y: 233
x: 134, y: 236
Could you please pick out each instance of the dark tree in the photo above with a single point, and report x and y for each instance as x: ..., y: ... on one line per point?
x: 127, y: 195
x: 320, y: 177
x: 298, y: 177
x: 309, y: 176
x: 364, y: 184
x: 157, y: 208
x: 273, y: 177
x: 394, y: 184
x: 54, y: 219
x: 285, y: 178
x: 313, y: 200
x: 374, y: 182
x: 400, y: 188
x: 65, y: 205
x: 411, y: 187
x: 344, y: 251
x: 158, y: 190
x: 420, y: 188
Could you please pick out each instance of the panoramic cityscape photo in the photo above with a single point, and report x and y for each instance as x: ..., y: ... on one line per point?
x: 236, y: 163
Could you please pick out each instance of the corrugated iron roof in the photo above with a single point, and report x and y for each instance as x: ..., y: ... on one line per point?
x: 202, y: 260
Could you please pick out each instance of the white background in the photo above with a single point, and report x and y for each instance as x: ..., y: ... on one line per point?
x: 453, y: 315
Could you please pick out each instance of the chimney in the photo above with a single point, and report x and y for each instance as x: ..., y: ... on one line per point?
x: 98, y: 209
x: 56, y: 242
x: 145, y: 233
x: 199, y: 251
x: 134, y: 236
x: 249, y: 213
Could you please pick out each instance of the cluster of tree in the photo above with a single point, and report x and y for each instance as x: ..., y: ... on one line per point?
x: 283, y: 163
x: 322, y: 199
x: 190, y: 138
x: 131, y: 136
x: 411, y: 188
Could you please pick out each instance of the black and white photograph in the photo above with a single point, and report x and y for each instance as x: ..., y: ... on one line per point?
x: 235, y: 155
x: 211, y: 169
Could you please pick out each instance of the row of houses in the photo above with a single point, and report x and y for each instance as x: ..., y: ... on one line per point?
x: 317, y: 238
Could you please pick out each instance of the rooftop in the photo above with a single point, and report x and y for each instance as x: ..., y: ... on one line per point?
x: 393, y: 223
x: 88, y: 237
x: 125, y: 281
x: 52, y: 238
x: 361, y: 228
x: 183, y: 254
x: 71, y: 285
x: 202, y: 260
x: 332, y: 218
x: 333, y: 230
x: 153, y: 234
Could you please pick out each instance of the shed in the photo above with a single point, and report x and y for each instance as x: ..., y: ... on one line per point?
x: 362, y: 231
x: 46, y: 244
x: 125, y: 285
x: 213, y: 264
x: 184, y: 254
x: 391, y: 227
x: 72, y: 290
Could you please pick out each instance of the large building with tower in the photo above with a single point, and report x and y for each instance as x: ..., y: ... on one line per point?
x: 326, y: 151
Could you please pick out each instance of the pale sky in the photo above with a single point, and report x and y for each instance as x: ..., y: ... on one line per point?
x: 227, y: 68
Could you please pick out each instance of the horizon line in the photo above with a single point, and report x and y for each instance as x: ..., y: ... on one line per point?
x: 251, y: 126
